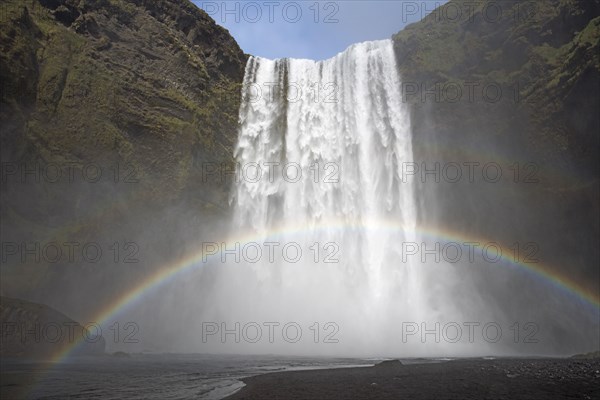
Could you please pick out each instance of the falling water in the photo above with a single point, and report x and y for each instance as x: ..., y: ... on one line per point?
x: 322, y: 193
x: 330, y: 138
x: 320, y: 155
x: 324, y: 209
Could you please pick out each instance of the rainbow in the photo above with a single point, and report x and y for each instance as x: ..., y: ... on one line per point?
x: 199, y: 258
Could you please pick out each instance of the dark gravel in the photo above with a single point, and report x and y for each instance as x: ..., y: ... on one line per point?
x: 459, y: 379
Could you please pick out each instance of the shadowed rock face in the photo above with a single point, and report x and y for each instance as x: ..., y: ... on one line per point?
x: 544, y: 57
x: 154, y: 84
x: 34, y: 330
x: 143, y: 93
x: 547, y: 50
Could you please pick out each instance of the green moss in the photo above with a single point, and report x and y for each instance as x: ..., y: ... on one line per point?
x: 591, y: 34
x: 140, y: 91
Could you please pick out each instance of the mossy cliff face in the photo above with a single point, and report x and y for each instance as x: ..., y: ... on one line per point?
x: 129, y: 100
x: 544, y: 58
x: 150, y: 85
x: 543, y: 55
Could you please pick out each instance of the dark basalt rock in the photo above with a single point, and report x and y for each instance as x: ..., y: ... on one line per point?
x: 389, y: 364
x: 150, y: 89
x: 66, y: 15
x: 546, y: 61
x: 36, y: 331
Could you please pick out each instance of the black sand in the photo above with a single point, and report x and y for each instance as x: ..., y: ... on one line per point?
x: 459, y: 379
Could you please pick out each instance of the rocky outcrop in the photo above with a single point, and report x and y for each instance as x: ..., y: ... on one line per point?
x: 515, y: 83
x: 109, y: 111
x: 544, y: 58
x: 588, y: 356
x: 37, y: 331
x: 150, y: 85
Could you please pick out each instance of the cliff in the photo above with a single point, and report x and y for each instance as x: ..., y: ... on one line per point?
x: 151, y: 86
x: 544, y: 56
x: 516, y: 84
x: 109, y: 111
x: 34, y: 330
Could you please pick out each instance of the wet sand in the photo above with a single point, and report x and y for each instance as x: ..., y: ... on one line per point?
x: 458, y: 379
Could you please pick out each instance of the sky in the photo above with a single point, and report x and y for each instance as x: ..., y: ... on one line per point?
x: 313, y: 29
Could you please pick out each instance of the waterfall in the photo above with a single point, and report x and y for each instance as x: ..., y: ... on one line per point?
x: 327, y: 218
x: 320, y: 155
x: 344, y: 116
x: 329, y: 139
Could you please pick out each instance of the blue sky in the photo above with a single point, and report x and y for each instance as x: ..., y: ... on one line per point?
x: 314, y: 29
